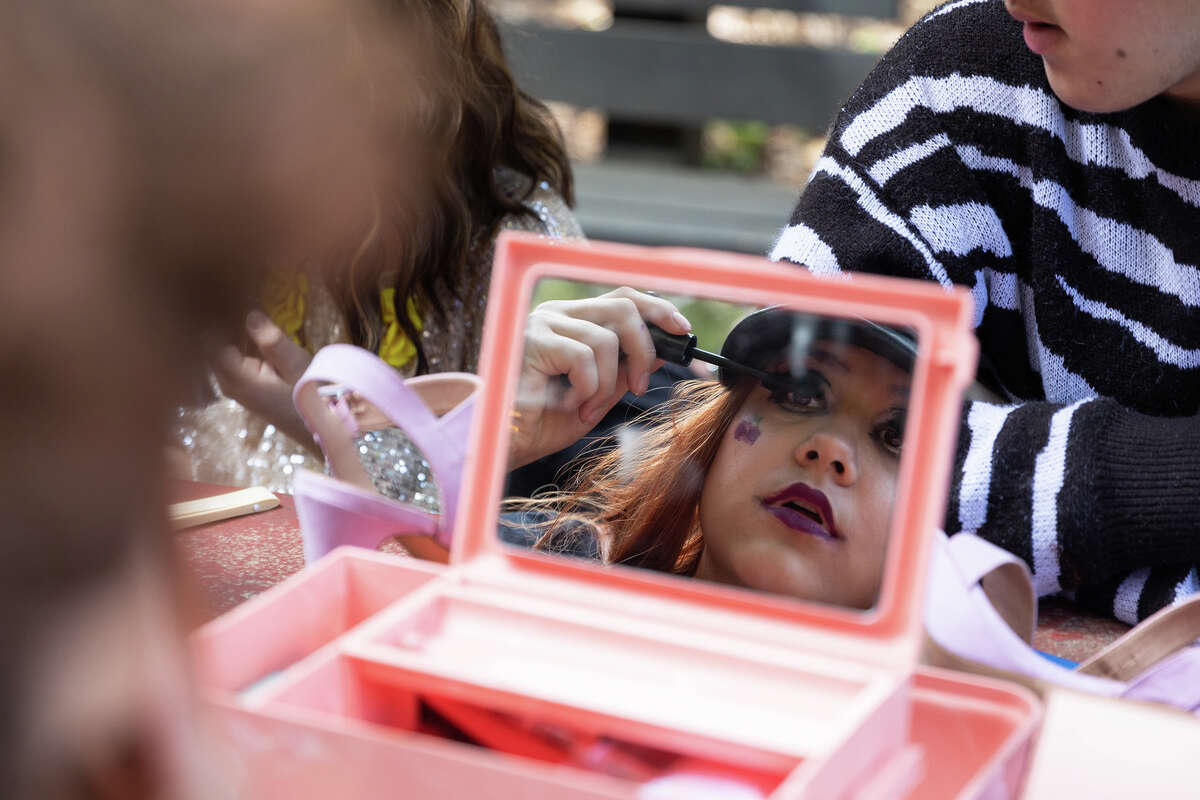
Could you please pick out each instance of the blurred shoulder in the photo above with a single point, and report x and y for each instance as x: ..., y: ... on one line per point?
x: 549, y: 213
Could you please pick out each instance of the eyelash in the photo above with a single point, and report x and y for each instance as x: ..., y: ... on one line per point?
x: 895, y: 424
x: 812, y: 390
x: 808, y: 387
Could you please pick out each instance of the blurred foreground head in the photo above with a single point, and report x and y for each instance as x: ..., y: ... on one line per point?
x: 155, y: 160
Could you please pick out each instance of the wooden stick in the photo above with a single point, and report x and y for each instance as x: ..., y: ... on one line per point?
x: 221, y: 506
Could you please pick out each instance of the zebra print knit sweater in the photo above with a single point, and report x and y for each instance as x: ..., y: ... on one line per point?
x: 1079, y: 237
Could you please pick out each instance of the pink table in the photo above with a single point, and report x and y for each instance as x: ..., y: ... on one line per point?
x: 1069, y: 632
x: 236, y: 559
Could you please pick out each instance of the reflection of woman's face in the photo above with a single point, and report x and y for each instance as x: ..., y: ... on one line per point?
x: 799, y: 498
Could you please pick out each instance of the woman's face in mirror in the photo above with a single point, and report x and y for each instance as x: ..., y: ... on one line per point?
x: 798, y: 500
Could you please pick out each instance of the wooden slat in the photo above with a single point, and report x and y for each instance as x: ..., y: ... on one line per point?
x: 656, y: 204
x: 669, y: 72
x: 881, y: 9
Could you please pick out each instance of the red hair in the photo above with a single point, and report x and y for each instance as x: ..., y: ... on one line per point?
x: 644, y: 497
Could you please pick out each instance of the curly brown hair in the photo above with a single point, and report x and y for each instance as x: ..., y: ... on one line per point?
x: 479, y: 120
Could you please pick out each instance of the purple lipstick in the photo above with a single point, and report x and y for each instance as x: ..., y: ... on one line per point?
x: 805, y: 509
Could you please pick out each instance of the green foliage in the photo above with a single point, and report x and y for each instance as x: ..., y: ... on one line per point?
x: 736, y: 146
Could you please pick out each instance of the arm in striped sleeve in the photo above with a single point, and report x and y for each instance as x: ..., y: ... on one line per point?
x: 845, y: 221
x: 1086, y: 494
x: 1133, y: 597
x: 943, y: 166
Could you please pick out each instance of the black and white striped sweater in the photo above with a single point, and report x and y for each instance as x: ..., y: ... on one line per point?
x: 1079, y: 236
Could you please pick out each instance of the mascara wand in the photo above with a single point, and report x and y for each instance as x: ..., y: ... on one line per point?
x: 681, y: 349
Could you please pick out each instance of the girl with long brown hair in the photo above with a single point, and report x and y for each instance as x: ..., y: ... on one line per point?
x: 479, y: 155
x: 783, y: 483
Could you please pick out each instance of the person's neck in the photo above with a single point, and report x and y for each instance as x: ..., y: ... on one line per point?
x: 707, y: 570
x: 1185, y: 96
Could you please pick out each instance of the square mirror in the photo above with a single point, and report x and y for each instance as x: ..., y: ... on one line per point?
x: 755, y: 446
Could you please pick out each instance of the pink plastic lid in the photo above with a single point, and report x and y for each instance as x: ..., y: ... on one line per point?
x: 888, y: 634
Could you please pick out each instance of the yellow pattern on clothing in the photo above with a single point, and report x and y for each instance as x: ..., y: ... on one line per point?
x: 284, y: 301
x: 396, y: 348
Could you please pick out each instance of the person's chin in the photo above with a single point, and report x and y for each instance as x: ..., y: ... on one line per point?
x: 776, y: 569
x: 1090, y: 94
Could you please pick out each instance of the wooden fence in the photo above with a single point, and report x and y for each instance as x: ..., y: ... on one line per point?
x: 657, y: 64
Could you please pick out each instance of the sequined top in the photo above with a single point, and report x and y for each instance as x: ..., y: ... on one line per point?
x: 227, y: 444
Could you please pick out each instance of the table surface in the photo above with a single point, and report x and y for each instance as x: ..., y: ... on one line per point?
x: 235, y: 559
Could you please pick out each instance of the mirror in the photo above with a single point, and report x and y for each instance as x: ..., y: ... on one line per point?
x: 762, y: 450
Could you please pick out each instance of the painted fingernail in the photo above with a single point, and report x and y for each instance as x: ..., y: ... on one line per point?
x: 681, y: 321
x: 256, y: 320
x: 643, y: 384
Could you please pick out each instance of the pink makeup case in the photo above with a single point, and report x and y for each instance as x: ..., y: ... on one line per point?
x: 313, y: 687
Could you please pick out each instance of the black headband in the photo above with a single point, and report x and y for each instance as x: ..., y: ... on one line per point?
x: 764, y: 335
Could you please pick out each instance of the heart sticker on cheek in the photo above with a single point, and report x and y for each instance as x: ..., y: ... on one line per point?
x: 747, y: 431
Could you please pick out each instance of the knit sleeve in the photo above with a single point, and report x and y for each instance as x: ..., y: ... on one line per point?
x: 1085, y: 494
x: 859, y: 211
x: 1094, y: 496
x: 897, y: 190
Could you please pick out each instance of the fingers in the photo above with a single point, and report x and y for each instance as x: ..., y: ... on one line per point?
x: 662, y: 313
x: 625, y: 312
x: 234, y: 371
x: 248, y: 380
x: 586, y: 353
x: 622, y: 316
x: 550, y: 351
x: 227, y: 360
x: 287, y: 358
x: 605, y: 353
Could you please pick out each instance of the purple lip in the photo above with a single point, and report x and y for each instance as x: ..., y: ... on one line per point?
x: 796, y: 505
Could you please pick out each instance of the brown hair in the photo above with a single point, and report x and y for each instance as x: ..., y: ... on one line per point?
x: 646, y: 498
x: 481, y: 121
